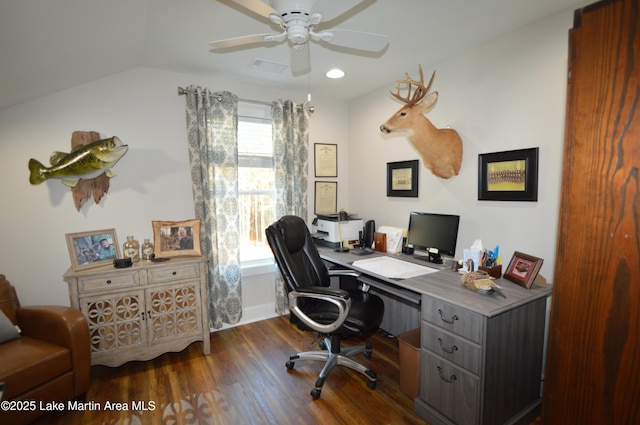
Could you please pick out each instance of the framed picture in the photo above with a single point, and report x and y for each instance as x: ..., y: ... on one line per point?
x: 176, y: 238
x: 523, y: 269
x: 92, y: 249
x: 402, y: 179
x: 326, y: 198
x: 326, y: 160
x: 508, y: 176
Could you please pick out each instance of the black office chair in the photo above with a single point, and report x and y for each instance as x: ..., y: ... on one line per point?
x: 334, y: 313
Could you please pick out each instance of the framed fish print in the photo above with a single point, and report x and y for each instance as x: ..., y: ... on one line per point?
x: 92, y: 249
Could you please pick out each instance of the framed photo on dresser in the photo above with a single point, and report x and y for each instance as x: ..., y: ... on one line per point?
x: 92, y: 249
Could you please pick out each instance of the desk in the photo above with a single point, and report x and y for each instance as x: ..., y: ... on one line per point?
x: 481, y: 355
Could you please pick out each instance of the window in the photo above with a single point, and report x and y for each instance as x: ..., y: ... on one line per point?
x: 256, y: 180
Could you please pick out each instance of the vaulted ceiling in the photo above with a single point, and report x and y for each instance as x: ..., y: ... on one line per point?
x: 46, y: 45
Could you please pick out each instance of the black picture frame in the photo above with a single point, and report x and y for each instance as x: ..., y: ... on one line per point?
x: 508, y: 175
x: 402, y: 179
x: 325, y: 159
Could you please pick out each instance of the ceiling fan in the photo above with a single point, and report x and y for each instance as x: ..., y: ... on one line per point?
x: 298, y: 20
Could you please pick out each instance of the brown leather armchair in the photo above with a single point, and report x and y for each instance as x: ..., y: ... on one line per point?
x: 50, y: 361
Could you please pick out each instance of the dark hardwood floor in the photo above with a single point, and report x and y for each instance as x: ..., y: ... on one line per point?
x: 245, y: 381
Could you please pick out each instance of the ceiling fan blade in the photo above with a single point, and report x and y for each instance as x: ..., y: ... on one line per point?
x: 355, y: 39
x: 331, y: 9
x: 257, y: 6
x: 248, y: 39
x: 300, y: 62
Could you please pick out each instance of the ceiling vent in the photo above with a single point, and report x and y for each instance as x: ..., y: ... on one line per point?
x: 265, y: 65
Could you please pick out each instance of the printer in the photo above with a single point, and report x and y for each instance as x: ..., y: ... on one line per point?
x: 327, y: 229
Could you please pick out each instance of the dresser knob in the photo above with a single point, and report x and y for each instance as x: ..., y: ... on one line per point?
x: 174, y: 273
x: 108, y: 281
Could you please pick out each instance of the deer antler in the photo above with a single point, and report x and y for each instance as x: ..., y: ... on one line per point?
x: 420, y: 90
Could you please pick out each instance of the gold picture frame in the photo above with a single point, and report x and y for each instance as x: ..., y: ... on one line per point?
x: 92, y: 249
x: 176, y: 238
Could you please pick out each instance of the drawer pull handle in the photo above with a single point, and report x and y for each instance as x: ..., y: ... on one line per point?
x: 174, y: 273
x: 450, y: 350
x: 108, y: 281
x: 449, y: 380
x: 453, y: 319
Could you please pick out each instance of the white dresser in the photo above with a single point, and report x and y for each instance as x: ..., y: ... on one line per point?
x: 140, y: 312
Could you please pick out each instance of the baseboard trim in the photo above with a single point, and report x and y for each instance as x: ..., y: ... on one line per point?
x: 252, y: 314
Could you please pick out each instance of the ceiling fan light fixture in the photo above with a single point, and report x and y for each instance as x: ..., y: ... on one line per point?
x: 335, y: 73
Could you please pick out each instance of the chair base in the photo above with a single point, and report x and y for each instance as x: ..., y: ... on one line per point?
x: 334, y: 356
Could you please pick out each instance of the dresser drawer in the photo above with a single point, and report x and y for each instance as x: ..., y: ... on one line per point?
x: 453, y: 348
x: 166, y: 273
x: 449, y: 389
x: 108, y: 281
x: 452, y: 318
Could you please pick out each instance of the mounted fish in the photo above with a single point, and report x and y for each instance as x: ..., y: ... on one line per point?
x: 83, y: 162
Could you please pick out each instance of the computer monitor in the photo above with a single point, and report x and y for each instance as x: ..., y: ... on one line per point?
x: 431, y: 232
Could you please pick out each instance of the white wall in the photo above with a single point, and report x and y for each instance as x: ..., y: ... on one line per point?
x: 507, y: 94
x: 141, y: 107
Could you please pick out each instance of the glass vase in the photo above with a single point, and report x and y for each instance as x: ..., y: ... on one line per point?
x: 131, y: 249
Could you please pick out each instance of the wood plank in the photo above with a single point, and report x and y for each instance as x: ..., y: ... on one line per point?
x: 593, y: 373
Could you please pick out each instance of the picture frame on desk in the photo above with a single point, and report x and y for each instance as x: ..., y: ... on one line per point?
x: 176, y: 238
x: 92, y: 249
x: 508, y: 175
x: 523, y: 269
x: 402, y: 179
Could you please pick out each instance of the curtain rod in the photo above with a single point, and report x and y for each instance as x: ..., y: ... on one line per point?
x: 182, y: 92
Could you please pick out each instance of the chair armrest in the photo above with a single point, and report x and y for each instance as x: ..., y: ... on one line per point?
x: 64, y: 326
x: 350, y: 273
x: 343, y: 272
x: 338, y: 297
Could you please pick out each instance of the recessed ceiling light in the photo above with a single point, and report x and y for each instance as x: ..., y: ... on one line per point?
x: 335, y: 73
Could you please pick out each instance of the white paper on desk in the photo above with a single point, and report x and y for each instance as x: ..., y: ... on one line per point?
x: 394, y: 238
x: 392, y: 268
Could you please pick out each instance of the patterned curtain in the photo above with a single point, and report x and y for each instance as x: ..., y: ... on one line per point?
x: 290, y: 155
x: 212, y: 131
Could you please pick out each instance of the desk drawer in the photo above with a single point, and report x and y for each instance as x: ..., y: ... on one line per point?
x: 452, y: 318
x: 451, y: 347
x: 173, y: 273
x: 449, y: 389
x: 108, y: 281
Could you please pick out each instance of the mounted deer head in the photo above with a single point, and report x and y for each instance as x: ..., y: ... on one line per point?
x: 441, y: 149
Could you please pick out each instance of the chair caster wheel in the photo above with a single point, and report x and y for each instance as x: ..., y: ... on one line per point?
x: 372, y: 384
x: 367, y: 353
x: 290, y: 365
x: 315, y: 393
